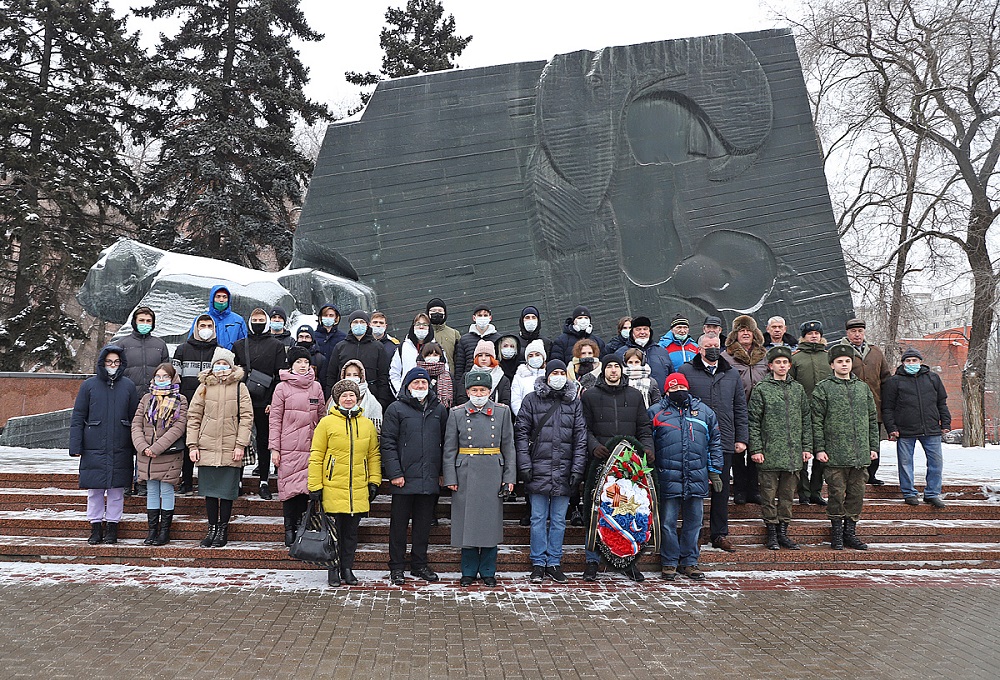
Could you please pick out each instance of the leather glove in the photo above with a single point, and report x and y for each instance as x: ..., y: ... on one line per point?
x: 716, y: 480
x: 373, y: 491
x: 316, y: 496
x: 601, y: 451
x: 574, y: 481
x: 526, y: 475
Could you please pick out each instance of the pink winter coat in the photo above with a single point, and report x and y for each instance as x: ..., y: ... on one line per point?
x: 296, y: 408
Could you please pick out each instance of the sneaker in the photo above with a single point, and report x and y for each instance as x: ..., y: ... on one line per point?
x: 435, y: 522
x: 911, y: 500
x: 556, y: 574
x: 426, y: 573
x: 265, y: 491
x: 184, y: 489
x: 935, y: 501
x: 692, y: 572
x: 397, y: 578
x: 634, y: 574
x: 803, y: 500
x: 537, y: 574
x: 668, y: 573
x: 525, y: 522
x: 723, y: 543
x: 590, y: 572
x: 576, y: 518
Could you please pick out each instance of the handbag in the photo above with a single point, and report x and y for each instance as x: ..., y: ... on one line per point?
x: 316, y: 539
x: 250, y: 451
x: 257, y: 382
x: 179, y: 446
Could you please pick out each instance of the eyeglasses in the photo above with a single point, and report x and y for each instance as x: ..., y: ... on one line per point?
x: 114, y: 362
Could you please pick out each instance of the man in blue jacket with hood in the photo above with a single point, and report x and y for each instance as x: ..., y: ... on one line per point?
x: 229, y: 326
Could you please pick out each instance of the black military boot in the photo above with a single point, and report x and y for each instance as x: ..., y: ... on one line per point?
x: 166, y: 519
x: 210, y: 536
x: 333, y: 577
x: 221, y: 535
x: 771, y: 541
x: 783, y: 540
x: 851, y: 539
x: 111, y: 533
x: 837, y: 533
x: 96, y: 533
x: 153, y: 520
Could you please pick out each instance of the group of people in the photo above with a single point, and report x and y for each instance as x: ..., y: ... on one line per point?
x: 476, y: 413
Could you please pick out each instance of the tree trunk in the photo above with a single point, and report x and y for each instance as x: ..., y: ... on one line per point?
x: 984, y: 298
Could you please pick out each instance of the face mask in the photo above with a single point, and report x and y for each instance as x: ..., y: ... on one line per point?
x: 419, y: 395
x: 712, y: 354
x: 327, y: 321
x: 378, y: 331
x: 680, y: 397
x: 220, y: 368
x: 912, y: 369
x: 144, y: 328
x: 531, y: 325
x: 482, y: 322
x: 535, y: 362
x: 358, y: 329
x: 581, y: 326
x: 354, y: 379
x: 277, y: 326
x: 205, y: 333
x: 220, y: 306
x: 257, y: 327
x: 479, y: 402
x: 680, y: 338
x: 304, y: 344
x: 161, y: 382
x: 625, y: 332
x: 420, y: 333
x: 437, y: 319
x: 432, y: 359
x: 111, y: 370
x: 587, y: 365
x: 507, y: 352
x: 349, y: 411
x: 557, y: 382
x: 641, y: 341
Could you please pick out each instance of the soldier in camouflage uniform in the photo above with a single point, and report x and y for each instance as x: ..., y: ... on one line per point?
x: 845, y: 437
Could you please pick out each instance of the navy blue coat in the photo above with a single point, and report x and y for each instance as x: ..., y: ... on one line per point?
x: 688, y: 446
x: 327, y: 338
x: 561, y: 446
x: 723, y: 392
x: 660, y: 365
x: 412, y: 442
x: 562, y: 346
x: 100, y: 429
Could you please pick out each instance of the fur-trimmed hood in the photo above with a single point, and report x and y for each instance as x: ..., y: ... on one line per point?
x: 735, y: 349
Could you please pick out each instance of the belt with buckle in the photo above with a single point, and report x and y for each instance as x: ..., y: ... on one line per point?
x: 468, y: 450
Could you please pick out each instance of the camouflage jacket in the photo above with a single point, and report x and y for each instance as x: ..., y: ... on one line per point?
x: 780, y: 423
x: 844, y: 421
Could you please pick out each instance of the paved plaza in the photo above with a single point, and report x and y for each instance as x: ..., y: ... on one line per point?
x: 74, y: 621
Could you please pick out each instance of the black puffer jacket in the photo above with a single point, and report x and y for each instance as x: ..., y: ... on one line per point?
x: 372, y: 356
x: 190, y: 359
x: 561, y: 446
x: 562, y: 347
x: 915, y: 405
x: 412, y: 442
x: 723, y: 392
x: 261, y: 352
x: 612, y: 410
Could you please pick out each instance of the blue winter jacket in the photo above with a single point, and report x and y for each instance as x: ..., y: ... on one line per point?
x: 100, y: 429
x: 688, y: 446
x: 229, y: 326
x: 680, y: 352
x: 328, y: 338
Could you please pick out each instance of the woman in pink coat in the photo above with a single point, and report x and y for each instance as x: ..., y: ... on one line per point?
x: 296, y: 408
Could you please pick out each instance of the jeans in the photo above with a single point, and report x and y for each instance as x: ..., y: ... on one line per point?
x: 548, y: 526
x: 935, y: 464
x: 685, y: 551
x: 481, y: 561
x: 96, y: 509
x: 159, y: 495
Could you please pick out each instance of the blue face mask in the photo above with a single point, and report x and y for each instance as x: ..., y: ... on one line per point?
x: 277, y: 326
x: 327, y: 321
x: 161, y: 382
x: 359, y: 329
x: 220, y: 368
x: 912, y: 369
x: 144, y: 328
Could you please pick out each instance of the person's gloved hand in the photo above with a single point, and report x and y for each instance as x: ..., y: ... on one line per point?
x: 525, y: 475
x: 601, y: 452
x: 716, y: 480
x: 574, y: 481
x: 372, y: 492
x: 316, y: 496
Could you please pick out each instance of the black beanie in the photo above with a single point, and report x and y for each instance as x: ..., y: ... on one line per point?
x: 552, y: 365
x: 580, y: 311
x: 436, y: 302
x: 280, y: 312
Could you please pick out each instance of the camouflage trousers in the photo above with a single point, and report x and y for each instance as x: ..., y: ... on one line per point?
x: 846, y: 489
x: 777, y: 492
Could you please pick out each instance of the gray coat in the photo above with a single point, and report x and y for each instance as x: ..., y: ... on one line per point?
x: 476, y: 508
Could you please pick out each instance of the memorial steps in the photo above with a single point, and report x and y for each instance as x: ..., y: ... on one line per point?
x: 43, y: 519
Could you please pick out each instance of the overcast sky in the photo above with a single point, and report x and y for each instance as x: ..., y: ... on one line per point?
x: 503, y: 32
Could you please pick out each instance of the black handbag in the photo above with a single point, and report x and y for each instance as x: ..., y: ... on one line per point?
x: 316, y: 539
x: 258, y: 382
x: 179, y: 446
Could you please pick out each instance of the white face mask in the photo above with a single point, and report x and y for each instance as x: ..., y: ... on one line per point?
x: 354, y: 379
x: 507, y: 352
x: 432, y: 359
x: 419, y: 395
x: 482, y: 322
x: 641, y: 341
x: 420, y: 333
x: 205, y: 333
x: 625, y: 332
x: 378, y: 331
x: 557, y: 382
x: 479, y: 402
x: 530, y: 325
x: 111, y: 370
x: 535, y: 361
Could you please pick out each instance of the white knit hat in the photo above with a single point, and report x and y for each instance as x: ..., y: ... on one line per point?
x: 536, y: 346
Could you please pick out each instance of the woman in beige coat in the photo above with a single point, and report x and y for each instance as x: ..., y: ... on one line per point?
x: 158, y: 436
x: 219, y: 423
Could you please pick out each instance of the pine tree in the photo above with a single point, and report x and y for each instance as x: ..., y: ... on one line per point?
x: 230, y: 86
x: 66, y: 68
x: 421, y: 40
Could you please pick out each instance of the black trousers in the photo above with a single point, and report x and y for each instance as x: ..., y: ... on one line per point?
x: 347, y: 537
x: 293, y: 509
x: 744, y: 475
x: 187, y: 468
x: 406, y: 507
x: 262, y: 427
x: 719, y: 517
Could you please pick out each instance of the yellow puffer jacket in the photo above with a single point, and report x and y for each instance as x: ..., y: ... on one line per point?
x: 343, y: 461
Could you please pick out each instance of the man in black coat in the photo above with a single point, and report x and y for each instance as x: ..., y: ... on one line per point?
x: 190, y: 359
x: 717, y: 383
x: 577, y: 327
x: 611, y: 409
x: 482, y: 328
x: 412, y: 445
x: 360, y: 344
x: 143, y: 351
x: 261, y: 355
x: 530, y: 324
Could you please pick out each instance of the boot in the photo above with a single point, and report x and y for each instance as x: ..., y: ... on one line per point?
x: 851, y: 539
x: 166, y: 519
x: 347, y: 575
x: 210, y: 536
x: 221, y: 535
x: 771, y: 542
x: 140, y: 489
x: 153, y: 519
x: 111, y: 533
x: 837, y: 533
x: 333, y: 577
x: 783, y: 540
x: 96, y: 533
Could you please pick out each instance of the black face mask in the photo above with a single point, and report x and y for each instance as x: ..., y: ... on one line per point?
x: 258, y: 328
x: 712, y: 353
x: 587, y: 365
x: 305, y: 344
x: 679, y: 397
x: 437, y: 319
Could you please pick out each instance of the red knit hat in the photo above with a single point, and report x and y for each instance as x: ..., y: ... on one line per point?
x: 675, y: 380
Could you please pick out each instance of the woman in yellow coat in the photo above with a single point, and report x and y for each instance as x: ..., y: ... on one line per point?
x: 345, y: 470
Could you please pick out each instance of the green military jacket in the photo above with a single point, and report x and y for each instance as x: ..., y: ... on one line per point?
x: 844, y: 422
x: 810, y: 364
x: 780, y: 423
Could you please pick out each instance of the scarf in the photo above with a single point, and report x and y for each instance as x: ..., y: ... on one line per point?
x: 163, y: 405
x: 638, y: 377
